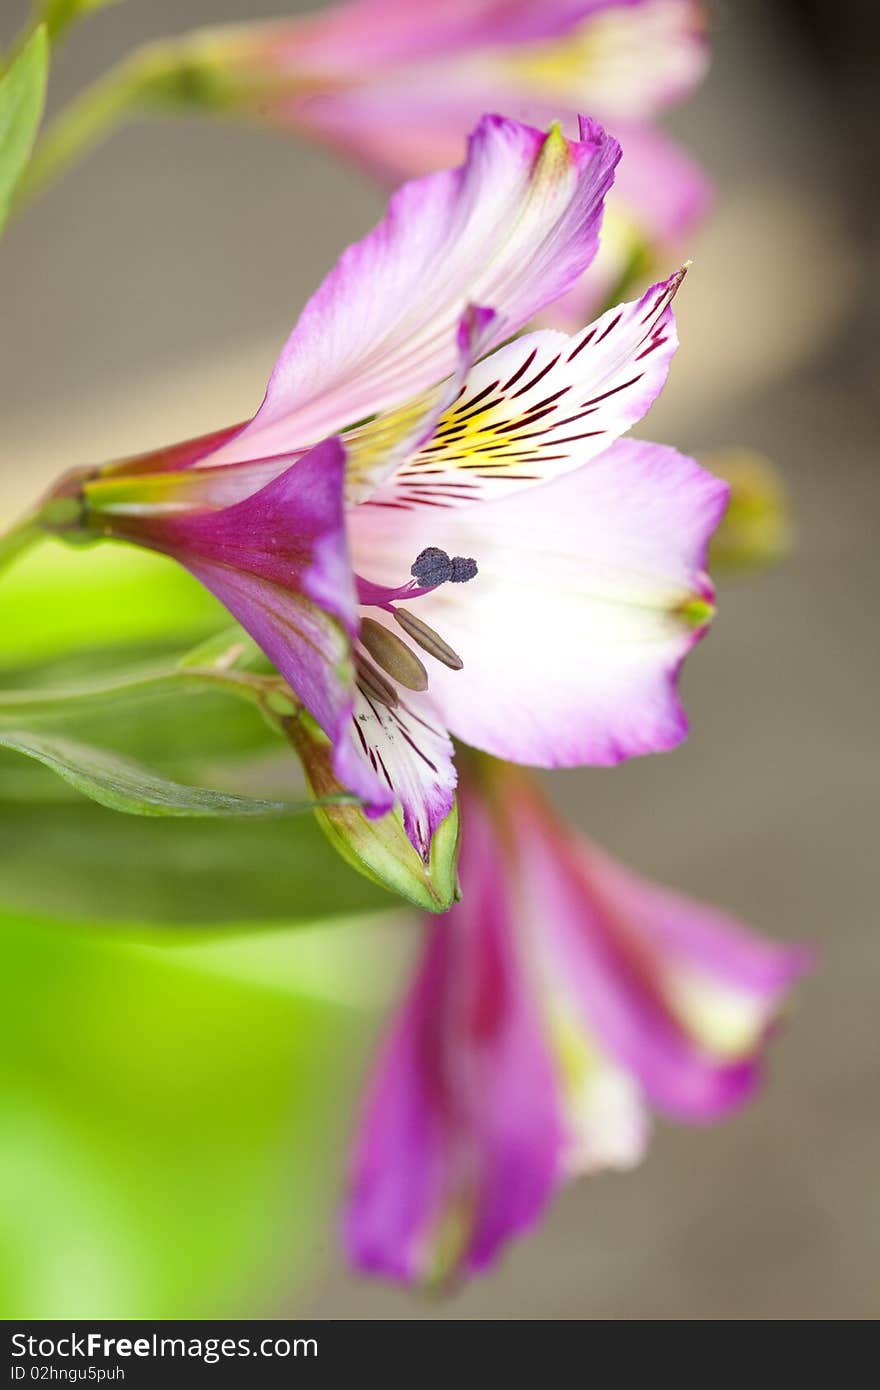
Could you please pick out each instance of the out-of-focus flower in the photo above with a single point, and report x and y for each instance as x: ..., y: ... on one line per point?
x: 559, y: 1003
x: 552, y: 579
x: 398, y: 86
x: 756, y: 531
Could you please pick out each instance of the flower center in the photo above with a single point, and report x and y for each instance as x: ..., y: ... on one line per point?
x: 391, y: 655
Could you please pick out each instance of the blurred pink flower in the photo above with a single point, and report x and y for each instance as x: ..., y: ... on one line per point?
x: 397, y: 85
x: 560, y: 1002
x: 410, y: 484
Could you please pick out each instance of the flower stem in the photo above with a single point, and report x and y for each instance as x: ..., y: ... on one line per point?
x: 80, y: 127
x: 57, y: 15
x: 165, y: 78
x: 268, y: 693
x: 58, y: 513
x: 19, y: 539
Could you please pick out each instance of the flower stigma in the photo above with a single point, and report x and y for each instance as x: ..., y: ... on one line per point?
x: 382, y: 648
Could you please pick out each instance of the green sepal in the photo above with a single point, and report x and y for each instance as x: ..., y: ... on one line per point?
x: 379, y: 849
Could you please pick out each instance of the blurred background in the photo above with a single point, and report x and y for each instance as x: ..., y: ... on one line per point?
x: 176, y: 1113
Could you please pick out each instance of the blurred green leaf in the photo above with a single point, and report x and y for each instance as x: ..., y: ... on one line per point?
x: 231, y: 647
x: 173, y: 1121
x: 67, y: 616
x: 58, y: 15
x: 58, y: 600
x: 22, y: 97
x: 200, y: 736
x: 154, y: 704
x: 124, y: 785
x: 215, y: 666
x: 92, y: 865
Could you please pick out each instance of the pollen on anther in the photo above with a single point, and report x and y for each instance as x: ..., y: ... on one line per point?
x: 463, y: 569
x: 431, y: 567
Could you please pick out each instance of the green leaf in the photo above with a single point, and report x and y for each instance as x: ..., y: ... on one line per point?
x: 175, y: 712
x: 124, y: 785
x: 49, y: 696
x: 58, y: 599
x: 22, y: 97
x: 174, y: 1120
x: 58, y: 15
x: 231, y: 647
x: 89, y: 864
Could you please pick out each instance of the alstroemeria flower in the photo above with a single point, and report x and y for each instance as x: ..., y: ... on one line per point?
x: 503, y: 570
x: 560, y: 1003
x: 398, y: 86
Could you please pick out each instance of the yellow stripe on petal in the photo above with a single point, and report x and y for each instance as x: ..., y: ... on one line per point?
x: 629, y: 60
x: 729, y: 1022
x: 373, y: 449
x: 564, y: 65
x: 147, y: 493
x: 546, y: 403
x: 555, y: 157
x: 606, y: 1121
x: 449, y: 1242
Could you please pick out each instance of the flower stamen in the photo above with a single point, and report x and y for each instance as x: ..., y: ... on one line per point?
x: 429, y: 640
x: 393, y: 655
x: 433, y: 567
x: 373, y: 683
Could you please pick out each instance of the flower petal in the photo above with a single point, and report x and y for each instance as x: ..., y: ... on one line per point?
x: 724, y: 982
x: 606, y: 1119
x: 664, y: 191
x: 165, y: 482
x: 345, y: 39
x: 659, y: 198
x: 409, y: 750
x: 629, y: 59
x: 543, y: 405
x: 278, y: 560
x: 374, y: 450
x: 459, y: 1140
x: 605, y: 952
x: 434, y: 71
x: 512, y: 229
x: 172, y: 457
x: 590, y: 591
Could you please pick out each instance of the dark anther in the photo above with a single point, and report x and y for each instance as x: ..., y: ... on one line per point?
x: 432, y: 567
x: 462, y: 570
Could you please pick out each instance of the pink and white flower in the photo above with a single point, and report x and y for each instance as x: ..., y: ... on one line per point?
x: 431, y: 534
x: 560, y: 1003
x: 397, y: 86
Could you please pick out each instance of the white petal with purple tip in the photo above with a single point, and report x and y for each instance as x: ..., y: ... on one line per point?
x: 513, y: 228
x: 541, y: 406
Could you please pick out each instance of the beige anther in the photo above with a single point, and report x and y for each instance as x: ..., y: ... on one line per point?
x: 393, y: 655
x: 372, y: 682
x: 428, y: 639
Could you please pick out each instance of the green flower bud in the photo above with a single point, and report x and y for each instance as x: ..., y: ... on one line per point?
x: 379, y: 849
